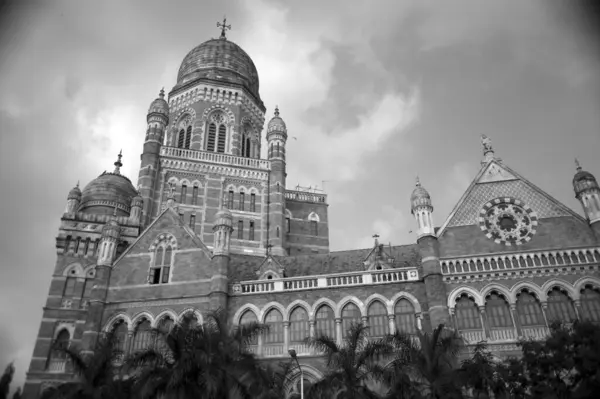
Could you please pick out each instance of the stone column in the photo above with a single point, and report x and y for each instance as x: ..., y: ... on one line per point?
x: 286, y: 337
x: 577, y: 307
x: 485, y: 322
x: 392, y: 323
x: 311, y: 324
x: 434, y: 283
x: 544, y: 308
x: 515, y: 319
x: 338, y: 331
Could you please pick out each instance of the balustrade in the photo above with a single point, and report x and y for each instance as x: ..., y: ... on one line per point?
x: 305, y: 196
x: 502, y: 334
x: 536, y: 332
x: 57, y: 365
x: 215, y: 157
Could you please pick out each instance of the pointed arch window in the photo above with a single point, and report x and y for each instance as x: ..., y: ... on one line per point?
x: 274, y: 320
x: 590, y: 304
x: 498, y: 311
x: 251, y: 231
x: 230, y: 200
x: 529, y: 310
x: 325, y: 321
x: 217, y: 133
x: 350, y: 315
x: 183, y: 194
x: 467, y: 314
x: 70, y: 286
x: 240, y: 232
x: 142, y: 337
x: 404, y: 316
x: 299, y: 327
x: 242, y: 200
x: 188, y: 136
x: 57, y: 354
x: 560, y: 307
x: 249, y: 318
x: 160, y: 272
x: 181, y: 139
x: 211, y: 139
x: 252, y: 202
x: 378, y: 323
x: 195, y: 195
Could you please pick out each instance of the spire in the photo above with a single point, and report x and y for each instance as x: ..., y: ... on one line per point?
x: 418, y: 182
x: 577, y: 165
x: 223, y: 27
x: 161, y: 94
x: 277, y: 110
x: 376, y: 236
x: 488, y: 150
x: 118, y: 164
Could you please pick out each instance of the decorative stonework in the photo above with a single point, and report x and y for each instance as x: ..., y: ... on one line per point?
x: 225, y: 111
x: 212, y: 168
x: 508, y: 221
x: 167, y: 238
x: 468, y: 211
x: 495, y: 172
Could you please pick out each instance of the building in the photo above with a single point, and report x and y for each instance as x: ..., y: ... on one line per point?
x: 211, y: 225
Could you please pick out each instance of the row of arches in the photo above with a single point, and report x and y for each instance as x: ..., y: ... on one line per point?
x: 497, y: 313
x: 186, y: 192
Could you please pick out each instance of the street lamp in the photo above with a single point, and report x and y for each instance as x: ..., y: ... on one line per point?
x: 294, y: 356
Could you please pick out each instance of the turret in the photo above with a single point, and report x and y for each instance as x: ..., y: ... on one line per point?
x: 421, y: 208
x: 137, y: 204
x: 429, y: 250
x: 588, y: 193
x: 111, y: 232
x: 276, y: 140
x: 157, y: 119
x: 222, y: 229
x: 73, y: 199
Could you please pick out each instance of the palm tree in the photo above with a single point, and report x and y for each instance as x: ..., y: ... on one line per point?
x: 351, y: 366
x: 6, y: 379
x: 97, y: 375
x: 273, y: 383
x: 207, y: 361
x: 424, y: 367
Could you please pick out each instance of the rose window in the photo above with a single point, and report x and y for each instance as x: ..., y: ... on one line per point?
x: 508, y: 221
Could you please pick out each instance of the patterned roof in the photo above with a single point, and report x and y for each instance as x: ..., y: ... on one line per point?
x: 244, y: 267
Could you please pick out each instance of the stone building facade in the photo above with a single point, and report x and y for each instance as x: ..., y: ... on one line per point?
x: 211, y: 225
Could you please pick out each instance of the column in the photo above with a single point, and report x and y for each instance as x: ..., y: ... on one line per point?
x: 286, y: 337
x: 338, y: 331
x: 128, y: 342
x: 365, y: 320
x: 311, y: 324
x: 453, y: 318
x: 419, y: 317
x: 577, y: 306
x: 484, y: 322
x: 392, y: 324
x: 259, y: 348
x: 544, y: 307
x: 515, y: 319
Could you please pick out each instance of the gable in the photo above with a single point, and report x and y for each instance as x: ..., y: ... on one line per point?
x: 549, y: 223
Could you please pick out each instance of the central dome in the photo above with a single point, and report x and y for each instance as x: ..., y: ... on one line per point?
x: 107, y: 191
x: 221, y: 60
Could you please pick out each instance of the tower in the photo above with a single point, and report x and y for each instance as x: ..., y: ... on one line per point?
x: 276, y: 139
x: 219, y: 283
x: 157, y: 119
x: 73, y: 199
x: 428, y: 244
x: 588, y: 193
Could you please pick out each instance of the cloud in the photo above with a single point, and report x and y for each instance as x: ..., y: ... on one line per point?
x: 392, y: 226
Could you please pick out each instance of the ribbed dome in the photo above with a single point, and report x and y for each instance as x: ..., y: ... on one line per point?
x: 221, y: 60
x: 276, y: 123
x: 583, y: 175
x: 159, y: 105
x: 419, y: 197
x: 105, y: 192
x: 75, y: 193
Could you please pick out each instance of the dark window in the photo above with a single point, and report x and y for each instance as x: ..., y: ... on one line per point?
x: 67, y: 243
x: 274, y: 321
x: 248, y: 318
x: 166, y: 269
x: 529, y: 310
x: 87, y: 246
x: 195, y: 195
x: 325, y: 321
x: 142, y: 337
x: 77, y: 243
x: 159, y: 273
x: 211, y: 139
x: 183, y: 194
x: 253, y: 202
x: 590, y: 304
x: 60, y: 344
x: 467, y: 314
x: 222, y: 137
x: 288, y: 225
x: 404, y: 316
x: 70, y: 286
x: 181, y: 139
x: 247, y: 154
x: 240, y: 232
x: 251, y: 232
x: 242, y: 200
x: 192, y: 221
x: 230, y: 200
x: 498, y: 312
x: 350, y: 315
x: 314, y: 228
x: 378, y: 320
x: 243, y: 154
x: 560, y: 307
x: 277, y: 232
x: 299, y: 327
x: 188, y: 137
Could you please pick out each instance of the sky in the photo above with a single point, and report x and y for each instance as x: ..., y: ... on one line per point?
x: 375, y: 93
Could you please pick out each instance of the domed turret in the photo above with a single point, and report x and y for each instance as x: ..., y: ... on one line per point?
x: 137, y: 203
x: 111, y: 233
x: 222, y: 229
x: 587, y: 192
x: 276, y: 124
x: 159, y: 106
x: 73, y: 199
x: 421, y: 208
x: 107, y: 191
x: 276, y: 141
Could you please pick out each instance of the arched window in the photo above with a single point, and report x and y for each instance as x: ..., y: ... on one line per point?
x: 61, y: 343
x: 467, y: 314
x: 183, y: 199
x: 195, y: 195
x: 160, y: 272
x: 221, y: 139
x: 378, y: 320
x: 274, y: 320
x: 164, y: 327
x: 240, y: 232
x: 252, y: 202
x: 188, y: 136
x: 590, y: 304
x: 529, y: 310
x: 142, y: 337
x: 350, y: 315
x: 299, y: 327
x: 248, y: 318
x: 251, y: 231
x: 230, y: 200
x: 191, y: 319
x: 560, y: 307
x: 325, y: 321
x: 248, y: 147
x: 70, y: 286
x: 404, y: 315
x: 181, y: 139
x: 120, y: 331
x: 211, y: 138
x: 498, y: 311
x: 242, y: 200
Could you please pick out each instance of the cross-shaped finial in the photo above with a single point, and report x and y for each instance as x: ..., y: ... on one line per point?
x: 223, y: 27
x: 118, y: 164
x: 277, y: 110
x: 418, y: 182
x: 577, y: 165
x: 375, y: 235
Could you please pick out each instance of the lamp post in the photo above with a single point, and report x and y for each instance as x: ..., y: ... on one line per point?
x: 294, y: 356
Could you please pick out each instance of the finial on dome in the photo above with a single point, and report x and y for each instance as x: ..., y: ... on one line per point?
x: 77, y: 185
x: 418, y: 182
x: 161, y: 94
x: 223, y: 27
x: 118, y: 164
x: 577, y: 165
x: 376, y: 236
x: 277, y: 110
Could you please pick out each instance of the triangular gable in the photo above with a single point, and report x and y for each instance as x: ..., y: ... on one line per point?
x: 178, y: 223
x: 270, y: 264
x: 496, y: 180
x: 378, y: 256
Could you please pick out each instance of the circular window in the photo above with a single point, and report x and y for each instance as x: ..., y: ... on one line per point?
x: 508, y: 221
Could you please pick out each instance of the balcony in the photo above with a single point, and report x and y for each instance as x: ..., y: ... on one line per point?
x: 326, y: 281
x: 305, y: 196
x: 213, y: 157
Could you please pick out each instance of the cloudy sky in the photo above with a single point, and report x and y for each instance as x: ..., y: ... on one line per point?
x: 375, y: 92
